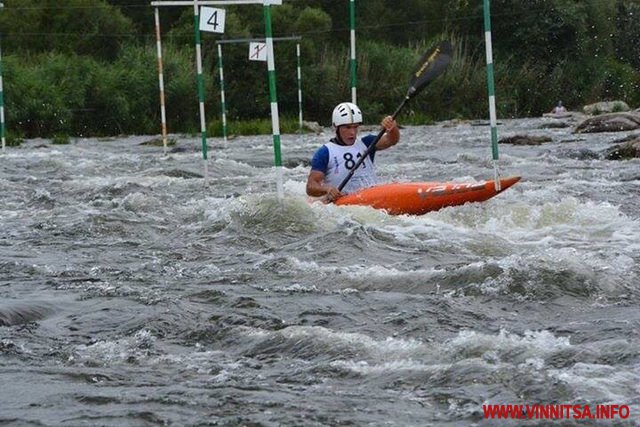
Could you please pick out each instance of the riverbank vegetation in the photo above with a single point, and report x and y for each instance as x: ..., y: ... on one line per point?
x: 89, y: 67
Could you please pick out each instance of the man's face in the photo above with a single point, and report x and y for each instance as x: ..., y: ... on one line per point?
x: 348, y: 133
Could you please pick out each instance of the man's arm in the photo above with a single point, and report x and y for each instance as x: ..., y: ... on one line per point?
x: 316, y: 186
x: 391, y: 136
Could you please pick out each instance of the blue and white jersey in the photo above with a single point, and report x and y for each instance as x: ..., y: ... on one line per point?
x: 335, y: 161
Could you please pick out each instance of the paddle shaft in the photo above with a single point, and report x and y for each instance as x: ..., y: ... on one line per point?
x: 371, y: 147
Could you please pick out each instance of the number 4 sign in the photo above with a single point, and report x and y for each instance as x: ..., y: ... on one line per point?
x: 212, y: 19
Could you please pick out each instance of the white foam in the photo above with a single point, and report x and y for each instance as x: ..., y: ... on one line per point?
x: 601, y: 383
x: 534, y: 343
x: 118, y: 351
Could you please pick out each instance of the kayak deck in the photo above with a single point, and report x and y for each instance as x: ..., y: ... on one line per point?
x: 421, y: 197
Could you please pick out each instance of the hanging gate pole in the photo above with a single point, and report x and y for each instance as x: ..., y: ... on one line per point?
x: 352, y: 61
x: 203, y: 125
x: 299, y: 74
x: 222, y: 102
x: 163, y: 114
x: 2, y: 125
x: 491, y: 90
x: 273, y: 99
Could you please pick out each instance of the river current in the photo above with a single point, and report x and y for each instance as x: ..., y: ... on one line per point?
x: 132, y: 293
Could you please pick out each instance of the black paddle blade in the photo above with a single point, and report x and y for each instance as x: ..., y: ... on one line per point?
x: 431, y: 65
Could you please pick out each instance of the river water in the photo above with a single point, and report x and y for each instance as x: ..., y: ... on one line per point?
x: 132, y: 294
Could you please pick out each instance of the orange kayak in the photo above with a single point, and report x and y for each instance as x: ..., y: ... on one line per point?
x: 417, y: 198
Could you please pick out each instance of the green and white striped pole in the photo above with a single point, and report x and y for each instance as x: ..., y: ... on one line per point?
x: 163, y: 114
x: 203, y: 125
x: 223, y: 106
x: 299, y: 73
x: 491, y: 90
x: 2, y: 126
x: 273, y: 97
x: 352, y: 61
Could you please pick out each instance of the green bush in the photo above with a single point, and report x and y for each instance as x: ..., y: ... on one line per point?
x: 13, y: 140
x: 34, y: 104
x: 60, y: 139
x: 620, y: 81
x: 288, y: 125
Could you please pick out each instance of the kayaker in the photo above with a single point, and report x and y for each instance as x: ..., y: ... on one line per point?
x: 559, y: 109
x: 332, y: 162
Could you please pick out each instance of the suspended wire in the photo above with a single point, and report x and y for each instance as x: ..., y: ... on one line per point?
x: 475, y: 18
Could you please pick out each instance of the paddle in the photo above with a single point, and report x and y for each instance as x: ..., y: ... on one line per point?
x: 431, y: 65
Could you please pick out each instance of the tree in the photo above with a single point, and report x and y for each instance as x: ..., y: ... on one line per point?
x: 141, y: 14
x: 83, y: 27
x: 627, y: 41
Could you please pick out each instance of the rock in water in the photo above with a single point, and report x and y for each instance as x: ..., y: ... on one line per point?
x: 525, y: 140
x: 612, y: 122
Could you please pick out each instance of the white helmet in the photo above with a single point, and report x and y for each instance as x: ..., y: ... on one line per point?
x: 346, y: 113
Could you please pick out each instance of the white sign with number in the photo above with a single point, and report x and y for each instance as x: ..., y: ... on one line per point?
x: 212, y: 19
x: 257, y: 51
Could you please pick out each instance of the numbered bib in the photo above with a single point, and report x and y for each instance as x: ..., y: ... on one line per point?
x: 342, y: 159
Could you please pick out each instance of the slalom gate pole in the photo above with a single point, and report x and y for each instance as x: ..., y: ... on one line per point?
x: 163, y: 114
x: 273, y: 99
x: 352, y: 61
x: 299, y: 74
x: 492, y: 96
x: 203, y: 125
x: 2, y: 125
x: 223, y: 106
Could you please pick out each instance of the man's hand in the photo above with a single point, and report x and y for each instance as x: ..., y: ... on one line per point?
x: 332, y: 194
x: 389, y: 124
